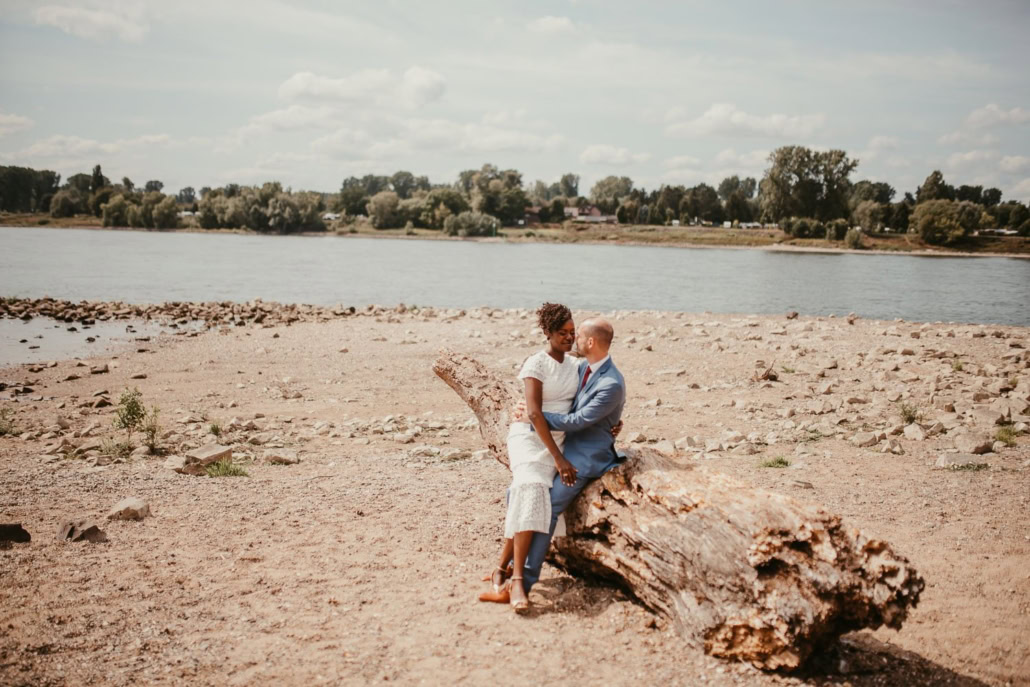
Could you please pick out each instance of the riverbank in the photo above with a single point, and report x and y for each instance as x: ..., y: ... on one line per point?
x: 361, y: 562
x: 629, y: 235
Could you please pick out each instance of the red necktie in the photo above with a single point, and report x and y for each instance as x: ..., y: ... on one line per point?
x: 585, y: 378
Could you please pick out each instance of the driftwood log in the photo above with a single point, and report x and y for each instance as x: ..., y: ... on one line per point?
x: 745, y: 573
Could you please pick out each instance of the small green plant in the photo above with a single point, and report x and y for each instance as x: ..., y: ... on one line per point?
x: 116, y: 449
x: 151, y: 428
x: 957, y: 365
x: 777, y: 462
x: 909, y: 412
x: 788, y: 370
x: 1006, y: 435
x: 970, y: 467
x: 6, y: 422
x: 1013, y: 381
x: 225, y: 468
x: 853, y: 239
x: 215, y: 428
x: 130, y: 413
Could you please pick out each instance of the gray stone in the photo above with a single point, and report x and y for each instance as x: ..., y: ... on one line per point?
x: 665, y: 446
x: 281, y: 457
x: 967, y: 442
x: 131, y: 508
x: 176, y: 463
x: 865, y: 439
x: 209, y: 453
x: 959, y: 460
x: 81, y: 530
x: 915, y: 432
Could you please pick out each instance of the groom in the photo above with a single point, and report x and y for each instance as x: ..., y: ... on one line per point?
x: 589, y: 444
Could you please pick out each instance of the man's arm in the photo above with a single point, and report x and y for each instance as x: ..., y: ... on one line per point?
x: 603, y: 404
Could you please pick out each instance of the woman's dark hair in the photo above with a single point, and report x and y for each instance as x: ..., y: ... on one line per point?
x: 552, y: 316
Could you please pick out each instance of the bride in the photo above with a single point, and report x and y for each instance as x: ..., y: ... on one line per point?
x: 551, y: 379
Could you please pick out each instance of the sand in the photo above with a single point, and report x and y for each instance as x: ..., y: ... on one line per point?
x: 362, y: 563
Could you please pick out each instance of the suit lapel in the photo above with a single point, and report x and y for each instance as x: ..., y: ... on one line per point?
x: 593, y: 376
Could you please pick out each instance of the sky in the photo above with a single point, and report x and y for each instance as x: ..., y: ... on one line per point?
x: 203, y: 93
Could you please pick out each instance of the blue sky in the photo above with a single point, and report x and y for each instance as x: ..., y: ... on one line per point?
x: 307, y: 93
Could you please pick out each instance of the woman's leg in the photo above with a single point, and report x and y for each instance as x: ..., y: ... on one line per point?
x: 522, y: 541
x: 500, y: 573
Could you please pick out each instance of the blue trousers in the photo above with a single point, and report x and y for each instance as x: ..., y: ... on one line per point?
x: 561, y: 497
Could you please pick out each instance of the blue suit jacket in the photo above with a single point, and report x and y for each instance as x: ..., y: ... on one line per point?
x: 589, y: 444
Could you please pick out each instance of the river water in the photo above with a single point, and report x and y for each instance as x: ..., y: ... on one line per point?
x: 151, y: 267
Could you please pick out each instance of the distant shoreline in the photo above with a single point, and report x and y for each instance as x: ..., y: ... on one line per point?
x: 710, y: 235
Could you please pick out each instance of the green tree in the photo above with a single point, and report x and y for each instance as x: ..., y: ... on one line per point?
x: 153, y: 185
x: 899, y: 216
x: 944, y: 222
x: 974, y: 194
x: 871, y: 215
x: 98, y: 198
x: 935, y: 188
x: 471, y: 223
x: 991, y: 196
x: 569, y: 185
x: 440, y: 204
x: 403, y: 184
x: 611, y: 187
x: 80, y: 182
x: 186, y: 196
x: 737, y: 207
x: 165, y: 214
x: 115, y: 212
x: 383, y: 210
x: 97, y: 180
x: 128, y: 185
x: 745, y: 188
x: 66, y: 203
x: 804, y: 183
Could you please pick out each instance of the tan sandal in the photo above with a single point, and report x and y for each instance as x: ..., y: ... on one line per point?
x: 521, y: 606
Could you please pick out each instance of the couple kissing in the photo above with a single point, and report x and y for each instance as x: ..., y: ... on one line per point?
x: 562, y: 437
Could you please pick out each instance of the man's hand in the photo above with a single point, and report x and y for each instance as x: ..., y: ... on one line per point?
x: 616, y: 429
x: 566, y: 470
x: 518, y: 413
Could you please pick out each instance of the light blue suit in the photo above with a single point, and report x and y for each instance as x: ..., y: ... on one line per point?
x: 589, y: 446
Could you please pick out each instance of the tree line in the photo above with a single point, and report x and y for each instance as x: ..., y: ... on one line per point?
x: 807, y: 193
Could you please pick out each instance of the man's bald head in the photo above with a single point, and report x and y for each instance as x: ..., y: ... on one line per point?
x: 600, y: 331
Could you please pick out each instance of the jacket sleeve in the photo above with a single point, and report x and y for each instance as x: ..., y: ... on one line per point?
x: 603, y: 404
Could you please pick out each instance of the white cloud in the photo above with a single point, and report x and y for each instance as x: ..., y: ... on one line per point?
x: 94, y: 23
x: 753, y: 161
x: 956, y: 137
x: 728, y: 120
x: 1021, y: 191
x: 883, y: 143
x: 418, y: 86
x: 364, y: 84
x: 970, y: 158
x: 552, y: 25
x: 992, y: 115
x: 10, y: 123
x: 1014, y: 163
x: 603, y: 154
x: 60, y: 146
x: 682, y: 161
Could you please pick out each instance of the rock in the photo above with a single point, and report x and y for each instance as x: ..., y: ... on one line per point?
x: 865, y: 439
x: 81, y: 530
x: 825, y: 389
x: 892, y: 446
x: 209, y: 453
x: 131, y: 508
x: 14, y: 532
x: 959, y: 461
x: 281, y: 457
x: 666, y: 447
x: 653, y: 403
x: 792, y: 315
x: 679, y: 372
x: 635, y: 438
x: 176, y: 463
x: 987, y: 417
x: 404, y: 437
x: 976, y: 444
x: 915, y: 432
x: 99, y: 369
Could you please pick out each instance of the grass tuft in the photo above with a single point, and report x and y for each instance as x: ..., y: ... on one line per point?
x: 225, y: 468
x: 6, y: 423
x: 957, y: 365
x: 788, y: 370
x: 116, y: 449
x: 1006, y: 435
x: 909, y: 413
x: 777, y: 462
x: 970, y: 467
x: 215, y: 429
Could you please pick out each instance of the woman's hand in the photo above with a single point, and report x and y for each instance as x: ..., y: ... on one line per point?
x: 616, y: 429
x: 566, y: 470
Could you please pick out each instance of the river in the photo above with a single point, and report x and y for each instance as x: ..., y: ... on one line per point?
x: 151, y: 267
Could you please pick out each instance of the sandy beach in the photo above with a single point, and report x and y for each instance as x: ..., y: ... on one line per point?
x: 361, y: 562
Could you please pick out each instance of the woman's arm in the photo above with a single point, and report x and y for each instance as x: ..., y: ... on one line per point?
x: 534, y: 408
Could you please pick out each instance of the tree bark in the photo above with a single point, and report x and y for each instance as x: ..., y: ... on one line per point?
x: 745, y: 573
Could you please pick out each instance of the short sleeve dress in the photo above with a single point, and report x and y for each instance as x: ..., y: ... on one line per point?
x: 532, y: 466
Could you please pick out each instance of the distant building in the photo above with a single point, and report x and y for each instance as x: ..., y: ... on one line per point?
x: 590, y: 214
x: 331, y: 216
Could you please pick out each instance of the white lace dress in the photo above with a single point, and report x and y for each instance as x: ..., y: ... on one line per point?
x: 532, y: 466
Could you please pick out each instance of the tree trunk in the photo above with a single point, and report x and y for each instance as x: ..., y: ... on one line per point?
x: 746, y: 573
